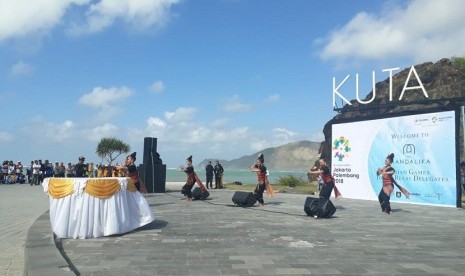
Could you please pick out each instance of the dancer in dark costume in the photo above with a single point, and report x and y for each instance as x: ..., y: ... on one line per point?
x: 327, y: 180
x: 130, y: 170
x: 260, y: 169
x: 192, y: 178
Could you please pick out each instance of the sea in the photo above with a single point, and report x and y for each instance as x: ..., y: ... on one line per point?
x: 243, y: 176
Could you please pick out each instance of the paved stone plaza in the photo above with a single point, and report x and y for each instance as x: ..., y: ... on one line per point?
x: 214, y: 237
x: 20, y: 205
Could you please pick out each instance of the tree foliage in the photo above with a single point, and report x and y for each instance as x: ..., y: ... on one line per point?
x: 459, y: 61
x: 111, y: 148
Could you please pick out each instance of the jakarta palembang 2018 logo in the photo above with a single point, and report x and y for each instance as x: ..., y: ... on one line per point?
x: 341, y: 148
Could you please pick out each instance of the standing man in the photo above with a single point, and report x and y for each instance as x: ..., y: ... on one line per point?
x: 218, y: 175
x: 35, y: 173
x: 80, y: 168
x: 209, y: 172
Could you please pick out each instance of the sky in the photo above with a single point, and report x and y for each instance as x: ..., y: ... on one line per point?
x: 210, y: 78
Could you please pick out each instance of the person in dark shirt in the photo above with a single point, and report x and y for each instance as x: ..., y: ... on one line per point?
x: 80, y: 168
x: 209, y: 174
x: 218, y: 170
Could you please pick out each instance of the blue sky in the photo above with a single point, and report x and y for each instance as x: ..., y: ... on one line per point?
x: 211, y: 78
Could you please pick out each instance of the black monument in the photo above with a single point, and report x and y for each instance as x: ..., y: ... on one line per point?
x: 153, y: 171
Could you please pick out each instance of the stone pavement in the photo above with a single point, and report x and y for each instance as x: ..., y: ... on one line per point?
x: 214, y: 237
x: 20, y: 206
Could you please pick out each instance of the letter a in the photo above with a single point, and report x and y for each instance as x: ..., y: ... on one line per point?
x: 412, y: 69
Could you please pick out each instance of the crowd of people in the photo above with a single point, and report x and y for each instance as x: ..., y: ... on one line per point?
x: 37, y: 171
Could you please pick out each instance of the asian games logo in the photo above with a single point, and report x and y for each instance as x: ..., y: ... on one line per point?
x: 341, y: 148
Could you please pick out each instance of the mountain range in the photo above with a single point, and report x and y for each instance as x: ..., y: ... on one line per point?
x: 296, y: 156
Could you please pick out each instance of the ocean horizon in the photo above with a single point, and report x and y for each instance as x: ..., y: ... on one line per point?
x: 233, y: 175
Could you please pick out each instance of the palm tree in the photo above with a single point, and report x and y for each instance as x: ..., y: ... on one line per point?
x: 111, y: 148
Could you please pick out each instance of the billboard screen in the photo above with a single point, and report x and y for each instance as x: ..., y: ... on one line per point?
x: 424, y: 146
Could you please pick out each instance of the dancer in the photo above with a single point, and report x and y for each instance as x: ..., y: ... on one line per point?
x: 192, y: 178
x: 260, y: 169
x: 386, y: 174
x: 130, y: 170
x: 327, y: 185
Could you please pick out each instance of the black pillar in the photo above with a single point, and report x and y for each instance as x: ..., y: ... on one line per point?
x: 153, y: 169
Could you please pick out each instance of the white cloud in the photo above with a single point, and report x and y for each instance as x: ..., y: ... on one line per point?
x: 235, y: 105
x: 181, y: 114
x: 47, y: 132
x: 282, y: 132
x: 107, y: 101
x: 24, y: 17
x: 221, y: 122
x: 424, y: 30
x: 273, y: 98
x: 6, y: 137
x: 98, y: 132
x: 140, y: 14
x: 21, y: 18
x: 157, y: 87
x: 156, y: 123
x: 21, y: 69
x: 103, y: 97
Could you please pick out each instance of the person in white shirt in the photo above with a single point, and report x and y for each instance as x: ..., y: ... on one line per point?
x: 35, y: 173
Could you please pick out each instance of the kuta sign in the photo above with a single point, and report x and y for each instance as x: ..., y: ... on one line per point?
x: 390, y: 72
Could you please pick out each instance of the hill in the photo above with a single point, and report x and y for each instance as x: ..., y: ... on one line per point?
x: 297, y: 156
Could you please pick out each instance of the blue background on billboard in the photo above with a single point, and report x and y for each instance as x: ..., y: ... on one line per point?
x: 428, y: 172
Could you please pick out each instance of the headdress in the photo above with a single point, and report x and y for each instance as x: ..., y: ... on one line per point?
x: 390, y: 157
x: 261, y: 158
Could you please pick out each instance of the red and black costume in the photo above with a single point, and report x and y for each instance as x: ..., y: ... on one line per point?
x: 187, y: 188
x: 134, y: 175
x: 386, y: 190
x: 328, y: 182
x: 261, y: 176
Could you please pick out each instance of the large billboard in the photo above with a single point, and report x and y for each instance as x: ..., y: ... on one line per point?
x: 424, y: 147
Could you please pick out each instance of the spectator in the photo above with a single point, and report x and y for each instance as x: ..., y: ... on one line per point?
x: 4, y: 173
x: 70, y: 170
x: 48, y: 172
x: 42, y: 171
x: 60, y: 170
x: 218, y: 175
x: 80, y: 168
x: 29, y: 173
x: 19, y: 168
x: 12, y: 177
x: 36, y: 173
x: 90, y: 169
x: 209, y: 174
